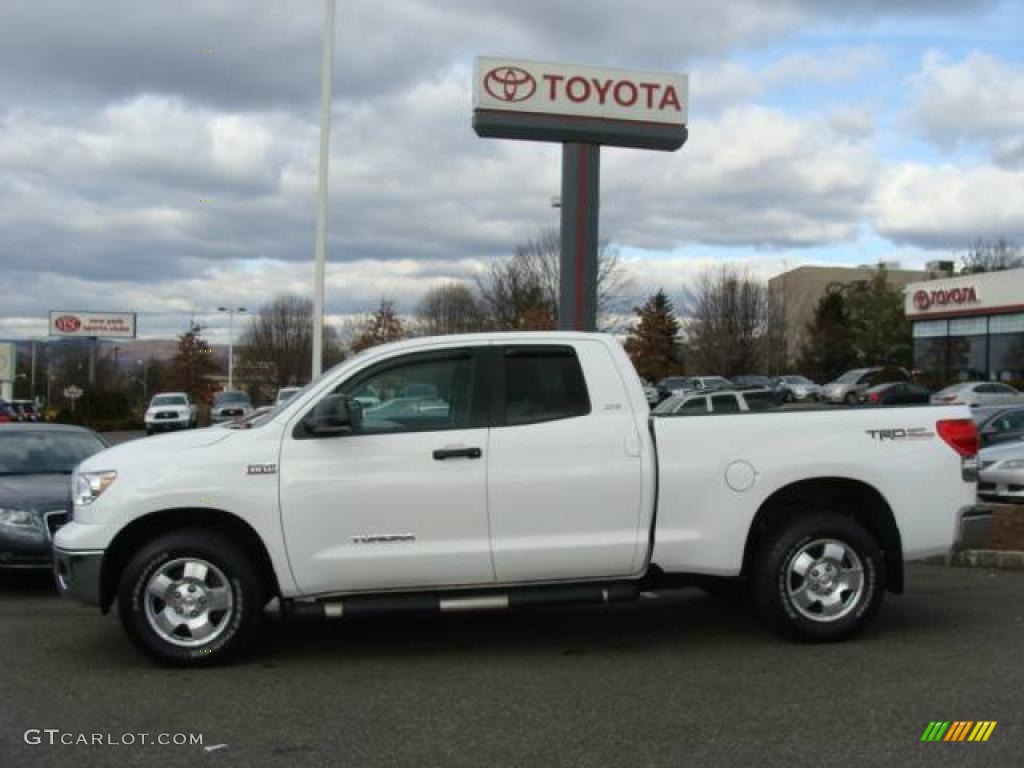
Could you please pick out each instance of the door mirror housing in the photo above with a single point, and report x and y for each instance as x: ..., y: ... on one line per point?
x: 334, y: 415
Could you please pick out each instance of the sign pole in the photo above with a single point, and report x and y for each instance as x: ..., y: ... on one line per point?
x: 92, y: 362
x: 581, y: 187
x: 319, y: 279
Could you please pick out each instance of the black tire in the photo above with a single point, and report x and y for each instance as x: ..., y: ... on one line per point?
x: 851, y: 399
x: 241, y: 581
x: 148, y: 432
x: 775, y: 581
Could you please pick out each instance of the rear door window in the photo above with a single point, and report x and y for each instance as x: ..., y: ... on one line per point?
x: 693, y: 406
x: 543, y: 383
x: 725, y: 404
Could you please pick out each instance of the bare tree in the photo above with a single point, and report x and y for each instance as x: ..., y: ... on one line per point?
x: 987, y: 256
x: 728, y: 317
x: 276, y: 348
x: 521, y: 292
x: 449, y: 308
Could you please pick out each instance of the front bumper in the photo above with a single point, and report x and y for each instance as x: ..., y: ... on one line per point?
x: 78, y: 575
x: 166, y: 425
x: 973, y: 528
x: 1001, y: 485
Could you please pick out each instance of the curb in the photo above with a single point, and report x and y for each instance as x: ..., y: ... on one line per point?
x: 1011, y: 560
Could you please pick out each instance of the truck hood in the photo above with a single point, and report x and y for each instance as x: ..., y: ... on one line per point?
x: 157, y: 446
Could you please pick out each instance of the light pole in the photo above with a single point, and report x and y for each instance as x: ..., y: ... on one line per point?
x: 320, y: 258
x: 231, y: 341
x: 145, y: 378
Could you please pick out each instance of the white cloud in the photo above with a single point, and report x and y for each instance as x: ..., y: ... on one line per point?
x: 979, y: 99
x: 949, y: 206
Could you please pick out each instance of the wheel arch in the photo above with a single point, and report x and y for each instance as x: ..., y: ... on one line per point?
x: 854, y: 498
x: 144, y: 529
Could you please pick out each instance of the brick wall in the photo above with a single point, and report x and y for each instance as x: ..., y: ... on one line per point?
x: 1007, y: 528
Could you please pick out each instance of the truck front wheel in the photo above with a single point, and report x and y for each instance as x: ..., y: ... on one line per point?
x: 190, y: 598
x: 819, y: 578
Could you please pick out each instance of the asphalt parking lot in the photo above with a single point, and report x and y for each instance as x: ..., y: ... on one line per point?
x: 687, y: 680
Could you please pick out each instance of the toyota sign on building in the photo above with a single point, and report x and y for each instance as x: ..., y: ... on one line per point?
x: 969, y: 327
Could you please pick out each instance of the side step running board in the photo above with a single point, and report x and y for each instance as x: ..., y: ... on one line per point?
x: 371, y: 605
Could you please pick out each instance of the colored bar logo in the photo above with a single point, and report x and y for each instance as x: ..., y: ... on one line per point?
x: 958, y: 730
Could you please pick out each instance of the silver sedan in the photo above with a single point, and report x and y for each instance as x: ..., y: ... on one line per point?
x: 1001, y: 475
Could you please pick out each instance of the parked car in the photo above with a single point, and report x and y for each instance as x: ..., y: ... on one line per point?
x: 697, y: 384
x: 896, y: 393
x: 27, y: 410
x: 797, y: 389
x: 229, y: 406
x: 719, y: 402
x: 7, y: 413
x: 669, y: 384
x: 285, y: 393
x: 1001, y: 473
x: 539, y: 480
x: 999, y: 424
x: 976, y: 393
x: 651, y: 393
x: 35, y: 487
x: 753, y: 382
x: 848, y: 387
x: 171, y: 410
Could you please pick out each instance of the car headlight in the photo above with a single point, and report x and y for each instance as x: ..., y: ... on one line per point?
x: 1012, y: 464
x: 15, y: 517
x: 88, y: 486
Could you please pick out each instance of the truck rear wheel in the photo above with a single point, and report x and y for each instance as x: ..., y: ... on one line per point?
x: 190, y: 598
x: 819, y: 578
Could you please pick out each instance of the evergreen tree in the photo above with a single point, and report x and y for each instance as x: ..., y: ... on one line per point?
x: 879, y: 329
x: 193, y: 366
x: 653, y: 344
x: 829, y: 348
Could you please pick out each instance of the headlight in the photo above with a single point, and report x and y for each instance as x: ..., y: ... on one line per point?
x: 1012, y: 464
x: 15, y: 517
x: 89, y: 485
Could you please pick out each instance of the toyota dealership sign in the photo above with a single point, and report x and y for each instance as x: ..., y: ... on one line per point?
x: 111, y: 325
x: 513, y: 98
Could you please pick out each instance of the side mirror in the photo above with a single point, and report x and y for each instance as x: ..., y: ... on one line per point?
x: 334, y: 415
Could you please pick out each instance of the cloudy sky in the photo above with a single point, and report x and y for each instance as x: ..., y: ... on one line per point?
x: 161, y: 157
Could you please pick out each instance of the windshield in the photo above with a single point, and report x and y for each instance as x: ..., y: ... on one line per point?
x: 850, y: 377
x: 44, y: 452
x: 168, y: 400
x: 231, y: 397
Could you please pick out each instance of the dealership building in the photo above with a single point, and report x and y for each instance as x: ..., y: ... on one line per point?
x: 969, y: 327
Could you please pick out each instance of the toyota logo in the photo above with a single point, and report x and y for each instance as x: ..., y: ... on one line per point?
x: 67, y: 323
x: 510, y: 84
x: 922, y: 300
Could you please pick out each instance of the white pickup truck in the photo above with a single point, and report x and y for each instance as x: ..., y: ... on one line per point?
x: 171, y: 410
x: 503, y: 470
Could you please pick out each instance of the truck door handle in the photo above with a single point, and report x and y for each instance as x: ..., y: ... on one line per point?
x: 457, y: 453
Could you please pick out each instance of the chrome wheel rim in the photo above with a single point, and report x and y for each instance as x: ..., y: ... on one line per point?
x: 824, y: 580
x: 188, y: 602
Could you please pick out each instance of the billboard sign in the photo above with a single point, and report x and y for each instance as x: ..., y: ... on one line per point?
x: 513, y: 98
x: 111, y: 325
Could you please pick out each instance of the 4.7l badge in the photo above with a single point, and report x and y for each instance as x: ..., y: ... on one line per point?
x: 261, y: 469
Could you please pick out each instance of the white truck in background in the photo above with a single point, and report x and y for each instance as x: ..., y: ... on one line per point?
x: 532, y: 473
x: 171, y: 410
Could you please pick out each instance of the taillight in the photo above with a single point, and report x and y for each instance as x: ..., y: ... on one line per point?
x: 874, y: 397
x: 960, y: 434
